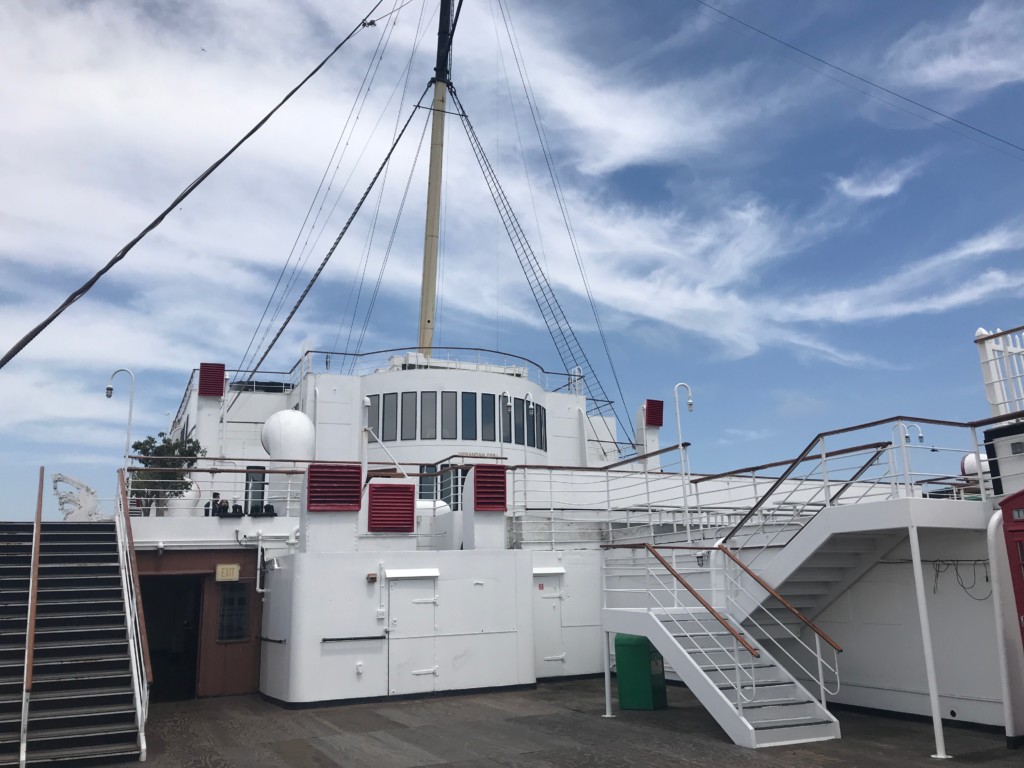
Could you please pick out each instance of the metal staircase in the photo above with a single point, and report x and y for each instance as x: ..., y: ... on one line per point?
x: 15, y: 567
x: 72, y: 689
x: 82, y: 701
x: 756, y: 700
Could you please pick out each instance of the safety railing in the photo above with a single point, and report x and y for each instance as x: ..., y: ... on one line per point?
x: 138, y: 643
x: 652, y: 584
x: 216, y: 488
x: 30, y: 623
x: 778, y: 627
x: 1002, y: 368
x: 412, y: 358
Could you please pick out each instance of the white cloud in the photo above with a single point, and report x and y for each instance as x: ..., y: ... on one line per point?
x: 871, y: 185
x: 972, y: 55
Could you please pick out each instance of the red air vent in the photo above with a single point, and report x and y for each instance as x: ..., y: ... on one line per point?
x: 211, y: 380
x: 334, y: 487
x: 392, y: 509
x: 655, y: 410
x: 489, y: 488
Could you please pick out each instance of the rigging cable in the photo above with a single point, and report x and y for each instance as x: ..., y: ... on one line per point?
x: 882, y: 88
x: 560, y: 197
x: 357, y: 286
x: 88, y: 284
x: 387, y: 253
x: 308, y: 247
x: 330, y: 252
x: 305, y: 221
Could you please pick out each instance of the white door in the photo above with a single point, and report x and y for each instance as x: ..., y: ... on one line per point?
x: 548, y: 649
x: 411, y: 666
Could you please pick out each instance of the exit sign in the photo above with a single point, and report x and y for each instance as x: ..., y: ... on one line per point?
x: 228, y: 572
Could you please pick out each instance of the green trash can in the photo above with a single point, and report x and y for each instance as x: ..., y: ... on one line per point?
x: 640, y: 670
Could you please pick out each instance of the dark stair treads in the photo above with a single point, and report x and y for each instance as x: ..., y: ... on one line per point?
x: 70, y: 683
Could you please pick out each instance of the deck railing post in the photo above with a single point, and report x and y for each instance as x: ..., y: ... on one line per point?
x: 980, y: 470
x: 824, y: 473
x: 821, y: 670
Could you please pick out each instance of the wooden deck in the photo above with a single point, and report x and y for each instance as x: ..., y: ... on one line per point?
x: 558, y: 724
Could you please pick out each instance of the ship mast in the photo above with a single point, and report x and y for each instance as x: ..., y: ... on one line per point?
x: 428, y: 295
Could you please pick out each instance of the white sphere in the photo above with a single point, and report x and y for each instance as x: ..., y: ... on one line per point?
x: 289, y: 435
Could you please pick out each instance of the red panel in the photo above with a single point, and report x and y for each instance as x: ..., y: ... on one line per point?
x: 489, y: 488
x: 211, y: 380
x: 334, y: 487
x: 655, y: 410
x: 1013, y: 530
x: 392, y: 509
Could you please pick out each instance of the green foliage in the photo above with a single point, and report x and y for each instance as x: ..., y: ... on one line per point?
x: 162, y: 460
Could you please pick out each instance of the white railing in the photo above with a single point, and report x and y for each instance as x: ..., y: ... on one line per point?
x: 734, y: 579
x: 635, y: 579
x: 1002, y: 368
x: 137, y: 646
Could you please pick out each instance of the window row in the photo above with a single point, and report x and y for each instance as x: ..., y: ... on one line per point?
x: 492, y: 418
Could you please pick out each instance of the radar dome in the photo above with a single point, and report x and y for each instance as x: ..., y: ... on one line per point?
x: 289, y: 435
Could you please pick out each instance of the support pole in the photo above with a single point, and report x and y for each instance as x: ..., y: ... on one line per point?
x: 926, y: 641
x: 428, y: 295
x: 607, y: 675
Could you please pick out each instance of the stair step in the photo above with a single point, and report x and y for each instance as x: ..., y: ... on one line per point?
x: 43, y: 702
x: 55, y: 606
x: 84, y: 755
x: 80, y: 620
x: 70, y: 717
x: 796, y: 721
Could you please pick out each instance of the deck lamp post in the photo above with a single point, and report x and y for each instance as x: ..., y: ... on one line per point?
x: 683, y: 469
x: 131, y: 407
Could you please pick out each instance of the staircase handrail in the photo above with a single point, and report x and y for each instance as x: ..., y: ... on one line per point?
x: 774, y: 593
x: 790, y: 470
x: 879, y: 450
x: 138, y: 642
x: 678, y: 577
x: 30, y: 621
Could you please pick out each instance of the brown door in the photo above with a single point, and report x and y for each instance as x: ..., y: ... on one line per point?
x: 171, y: 605
x: 229, y: 662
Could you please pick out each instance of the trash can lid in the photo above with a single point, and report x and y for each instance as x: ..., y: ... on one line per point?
x: 631, y: 640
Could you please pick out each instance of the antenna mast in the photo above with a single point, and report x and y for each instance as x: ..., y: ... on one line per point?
x: 442, y: 77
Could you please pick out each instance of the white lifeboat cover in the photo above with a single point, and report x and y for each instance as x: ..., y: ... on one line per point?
x: 289, y: 435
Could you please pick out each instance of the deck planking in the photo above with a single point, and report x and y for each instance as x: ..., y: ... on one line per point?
x: 557, y: 725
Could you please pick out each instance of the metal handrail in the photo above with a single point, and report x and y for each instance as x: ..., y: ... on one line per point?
x: 30, y: 621
x: 789, y: 471
x: 678, y: 577
x: 135, y: 580
x: 788, y: 605
x: 138, y: 645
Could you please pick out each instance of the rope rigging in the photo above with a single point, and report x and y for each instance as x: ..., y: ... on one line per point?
x: 569, y: 349
x: 556, y: 183
x: 88, y: 284
x: 331, y: 250
x: 300, y: 261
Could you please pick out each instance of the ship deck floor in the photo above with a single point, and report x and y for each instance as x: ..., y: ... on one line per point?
x: 557, y: 724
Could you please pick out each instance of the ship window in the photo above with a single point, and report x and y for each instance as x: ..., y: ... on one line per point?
x: 449, y: 425
x: 506, y: 420
x: 518, y: 411
x: 469, y: 415
x: 234, y: 612
x: 373, y: 417
x: 487, y: 417
x: 255, y: 489
x: 428, y: 485
x: 531, y: 424
x: 408, y: 415
x: 389, y: 429
x: 542, y: 428
x: 428, y: 415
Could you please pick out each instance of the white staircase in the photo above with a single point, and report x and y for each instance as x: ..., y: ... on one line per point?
x: 755, y: 700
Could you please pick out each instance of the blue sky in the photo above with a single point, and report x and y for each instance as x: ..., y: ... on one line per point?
x: 804, y: 255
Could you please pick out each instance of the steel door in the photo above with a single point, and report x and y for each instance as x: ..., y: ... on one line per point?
x: 411, y: 665
x: 548, y: 644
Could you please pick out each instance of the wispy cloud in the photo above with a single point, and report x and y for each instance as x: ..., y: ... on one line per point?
x: 874, y: 184
x: 971, y: 54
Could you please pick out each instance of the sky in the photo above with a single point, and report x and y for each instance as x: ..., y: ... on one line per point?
x: 804, y: 250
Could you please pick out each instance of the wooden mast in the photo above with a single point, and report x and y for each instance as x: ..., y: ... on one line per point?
x: 428, y: 294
